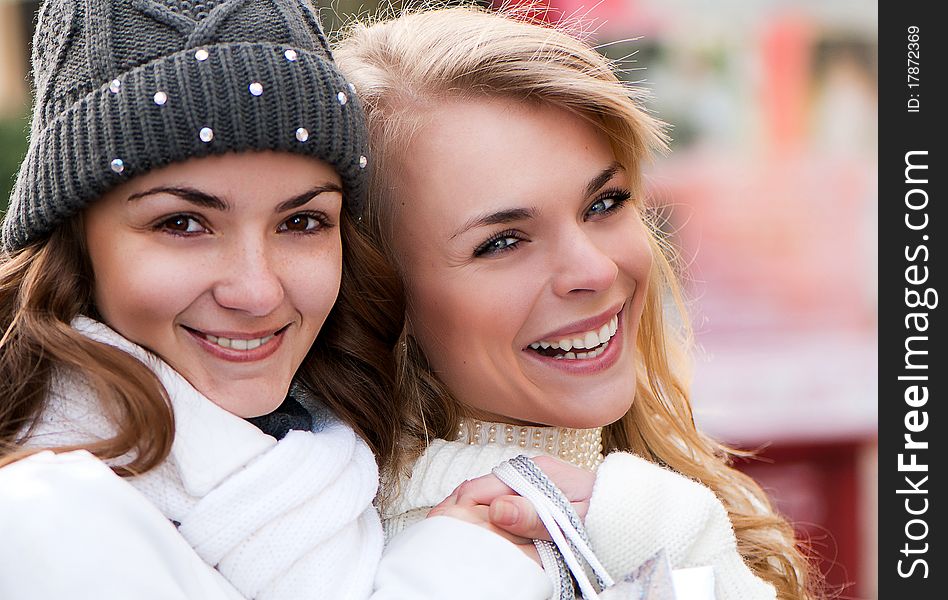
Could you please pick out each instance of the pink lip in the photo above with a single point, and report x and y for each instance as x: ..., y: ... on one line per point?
x: 582, y: 326
x: 586, y: 366
x: 259, y: 353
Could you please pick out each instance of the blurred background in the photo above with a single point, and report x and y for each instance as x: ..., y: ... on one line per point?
x: 770, y: 194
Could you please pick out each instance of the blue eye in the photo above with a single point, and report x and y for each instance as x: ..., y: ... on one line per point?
x: 608, y: 202
x: 501, y: 242
x: 601, y: 206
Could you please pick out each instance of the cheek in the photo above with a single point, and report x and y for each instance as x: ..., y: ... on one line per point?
x: 632, y: 252
x: 312, y: 282
x: 435, y: 312
x: 466, y: 325
x: 133, y: 295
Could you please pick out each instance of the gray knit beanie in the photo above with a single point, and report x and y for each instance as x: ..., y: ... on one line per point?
x: 125, y: 86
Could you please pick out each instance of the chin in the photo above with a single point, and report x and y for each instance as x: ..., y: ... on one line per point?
x: 598, y: 416
x: 247, y: 405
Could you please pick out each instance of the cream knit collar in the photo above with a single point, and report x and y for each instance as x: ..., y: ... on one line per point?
x: 581, y: 447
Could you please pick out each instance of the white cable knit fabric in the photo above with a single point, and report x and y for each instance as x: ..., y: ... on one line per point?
x: 278, y: 519
x: 637, y: 508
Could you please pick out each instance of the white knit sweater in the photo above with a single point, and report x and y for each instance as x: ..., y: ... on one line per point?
x: 279, y: 519
x: 637, y: 508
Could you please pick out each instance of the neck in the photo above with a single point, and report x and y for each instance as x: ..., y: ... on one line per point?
x: 581, y: 447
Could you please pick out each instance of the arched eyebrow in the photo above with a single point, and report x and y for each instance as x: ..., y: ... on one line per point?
x: 602, y: 178
x: 202, y: 199
x: 496, y: 218
x: 205, y: 200
x: 301, y: 199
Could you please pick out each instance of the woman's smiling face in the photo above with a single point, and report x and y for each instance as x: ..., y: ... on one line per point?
x: 525, y: 261
x: 226, y: 267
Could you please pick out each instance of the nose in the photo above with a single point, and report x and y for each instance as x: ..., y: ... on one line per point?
x: 249, y: 280
x: 582, y: 266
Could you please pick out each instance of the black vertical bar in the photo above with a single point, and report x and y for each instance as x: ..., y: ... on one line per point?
x: 912, y: 266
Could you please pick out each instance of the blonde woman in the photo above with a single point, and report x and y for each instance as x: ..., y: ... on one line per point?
x: 506, y: 187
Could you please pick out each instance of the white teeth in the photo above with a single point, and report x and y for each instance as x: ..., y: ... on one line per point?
x: 604, y: 332
x: 238, y: 344
x: 592, y: 339
x: 583, y: 355
x: 584, y: 341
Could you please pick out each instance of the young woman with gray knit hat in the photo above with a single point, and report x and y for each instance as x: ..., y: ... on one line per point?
x: 177, y: 237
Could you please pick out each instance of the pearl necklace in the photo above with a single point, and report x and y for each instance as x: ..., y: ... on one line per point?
x: 581, y: 447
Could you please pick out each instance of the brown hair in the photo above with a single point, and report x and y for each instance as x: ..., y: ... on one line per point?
x: 404, y: 64
x: 45, y: 285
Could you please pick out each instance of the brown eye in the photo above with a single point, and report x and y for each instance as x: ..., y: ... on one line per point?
x: 182, y: 224
x: 301, y: 223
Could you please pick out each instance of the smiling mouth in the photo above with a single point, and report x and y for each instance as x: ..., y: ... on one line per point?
x: 239, y: 344
x: 580, y: 346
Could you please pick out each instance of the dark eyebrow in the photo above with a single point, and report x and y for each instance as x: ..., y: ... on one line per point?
x: 600, y: 180
x: 211, y: 201
x: 496, y: 218
x: 301, y: 199
x: 185, y: 193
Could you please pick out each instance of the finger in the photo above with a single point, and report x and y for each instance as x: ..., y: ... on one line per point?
x: 581, y: 509
x: 516, y: 515
x: 449, y: 501
x: 478, y: 516
x: 575, y: 483
x: 481, y: 490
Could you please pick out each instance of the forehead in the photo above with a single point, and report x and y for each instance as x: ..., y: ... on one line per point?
x: 250, y: 176
x: 477, y: 155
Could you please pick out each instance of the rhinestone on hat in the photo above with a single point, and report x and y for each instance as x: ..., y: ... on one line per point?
x: 256, y: 88
x: 206, y: 134
x: 117, y: 165
x: 201, y: 55
x: 341, y: 96
x: 161, y: 98
x: 291, y: 55
x: 302, y: 134
x: 363, y: 161
x: 115, y: 86
x: 352, y: 87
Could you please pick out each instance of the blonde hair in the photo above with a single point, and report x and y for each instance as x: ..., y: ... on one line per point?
x: 419, y: 58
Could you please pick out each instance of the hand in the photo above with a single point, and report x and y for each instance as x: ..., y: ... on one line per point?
x: 489, y: 502
x: 464, y: 509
